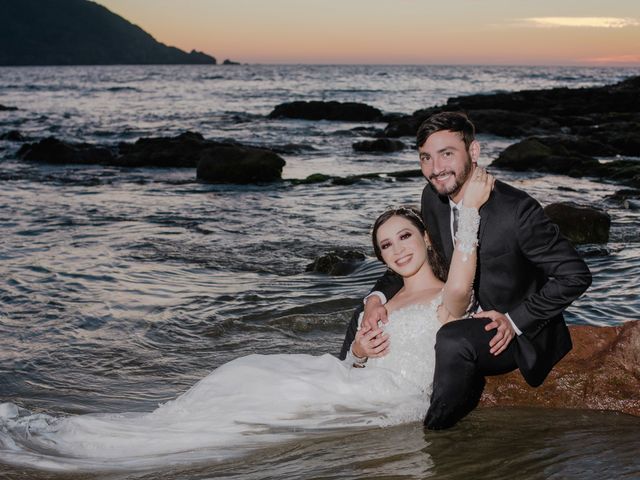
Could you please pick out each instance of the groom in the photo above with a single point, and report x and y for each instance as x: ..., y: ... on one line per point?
x: 527, y: 274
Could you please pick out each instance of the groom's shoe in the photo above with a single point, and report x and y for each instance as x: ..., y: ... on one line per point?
x: 445, y: 413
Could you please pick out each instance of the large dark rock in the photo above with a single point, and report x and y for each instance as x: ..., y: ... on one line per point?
x: 231, y: 164
x: 182, y: 151
x: 407, y: 125
x: 603, y: 121
x: 79, y: 32
x: 558, y: 102
x: 580, y: 224
x: 508, y: 123
x: 385, y: 145
x: 215, y: 161
x: 337, y: 262
x: 548, y: 154
x: 602, y: 372
x: 562, y: 154
x: 52, y: 150
x: 316, y: 110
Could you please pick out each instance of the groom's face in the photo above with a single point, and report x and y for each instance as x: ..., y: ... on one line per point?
x: 447, y: 163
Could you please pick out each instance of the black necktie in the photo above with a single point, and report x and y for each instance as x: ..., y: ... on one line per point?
x: 456, y: 214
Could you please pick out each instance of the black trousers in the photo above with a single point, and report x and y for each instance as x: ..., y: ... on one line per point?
x: 462, y: 362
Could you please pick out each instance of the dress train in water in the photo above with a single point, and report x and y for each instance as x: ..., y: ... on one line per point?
x: 247, y: 403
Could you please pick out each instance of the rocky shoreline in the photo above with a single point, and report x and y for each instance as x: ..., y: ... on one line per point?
x: 563, y: 129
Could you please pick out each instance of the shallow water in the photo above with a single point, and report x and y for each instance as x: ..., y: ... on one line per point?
x: 497, y: 443
x: 121, y: 288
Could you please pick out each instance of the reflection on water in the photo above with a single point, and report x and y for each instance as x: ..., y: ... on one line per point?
x: 492, y: 444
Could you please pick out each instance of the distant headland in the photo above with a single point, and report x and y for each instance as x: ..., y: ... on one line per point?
x: 79, y: 32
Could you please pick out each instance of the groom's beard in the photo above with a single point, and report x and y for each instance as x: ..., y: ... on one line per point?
x: 459, y: 181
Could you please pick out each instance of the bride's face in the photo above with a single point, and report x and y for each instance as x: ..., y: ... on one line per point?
x: 402, y: 245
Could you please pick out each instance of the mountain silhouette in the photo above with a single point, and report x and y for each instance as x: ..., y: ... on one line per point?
x: 79, y: 32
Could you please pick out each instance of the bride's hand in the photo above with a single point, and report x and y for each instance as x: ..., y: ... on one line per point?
x: 370, y: 343
x: 478, y: 189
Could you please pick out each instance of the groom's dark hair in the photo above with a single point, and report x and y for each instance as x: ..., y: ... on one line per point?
x: 452, y: 121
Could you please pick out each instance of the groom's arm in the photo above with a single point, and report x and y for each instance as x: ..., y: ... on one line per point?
x: 567, y: 274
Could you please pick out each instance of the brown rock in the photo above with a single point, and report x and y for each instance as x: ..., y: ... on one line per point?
x: 602, y: 372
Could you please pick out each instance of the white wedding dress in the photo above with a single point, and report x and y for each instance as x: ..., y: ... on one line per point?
x: 250, y: 402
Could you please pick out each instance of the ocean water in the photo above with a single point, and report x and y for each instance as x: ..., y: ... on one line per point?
x: 120, y: 288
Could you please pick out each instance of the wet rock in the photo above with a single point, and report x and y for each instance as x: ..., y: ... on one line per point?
x: 231, y: 164
x: 385, y: 145
x: 556, y: 103
x: 182, y: 151
x: 230, y: 62
x: 407, y: 125
x: 317, y: 110
x: 602, y: 372
x: 314, y: 178
x: 560, y: 154
x: 626, y: 194
x: 337, y: 262
x: 52, y: 150
x: 13, y: 136
x: 623, y: 171
x: 223, y: 162
x: 631, y: 204
x: 603, y: 121
x: 544, y: 154
x: 511, y: 123
x: 580, y: 224
x: 5, y: 108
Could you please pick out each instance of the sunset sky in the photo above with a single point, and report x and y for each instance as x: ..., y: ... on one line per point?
x: 544, y: 32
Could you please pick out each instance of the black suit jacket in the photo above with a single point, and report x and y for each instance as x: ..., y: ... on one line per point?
x: 525, y: 268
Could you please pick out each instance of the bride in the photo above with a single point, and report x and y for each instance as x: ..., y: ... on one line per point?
x: 257, y: 400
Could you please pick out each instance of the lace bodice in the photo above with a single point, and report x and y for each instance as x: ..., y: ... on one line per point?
x: 412, y: 331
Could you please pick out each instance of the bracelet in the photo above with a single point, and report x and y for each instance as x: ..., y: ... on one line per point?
x: 358, y: 362
x: 467, y: 234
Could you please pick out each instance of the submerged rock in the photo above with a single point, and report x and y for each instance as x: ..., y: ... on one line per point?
x: 385, y: 145
x: 6, y: 108
x: 337, y: 262
x: 316, y: 110
x: 602, y: 372
x: 13, y: 136
x: 230, y: 164
x: 52, y: 150
x: 580, y: 224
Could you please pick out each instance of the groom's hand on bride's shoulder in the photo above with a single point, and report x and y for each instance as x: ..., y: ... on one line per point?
x: 374, y: 312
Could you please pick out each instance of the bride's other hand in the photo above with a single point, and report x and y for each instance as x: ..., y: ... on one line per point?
x: 478, y: 189
x: 374, y: 312
x: 370, y: 343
